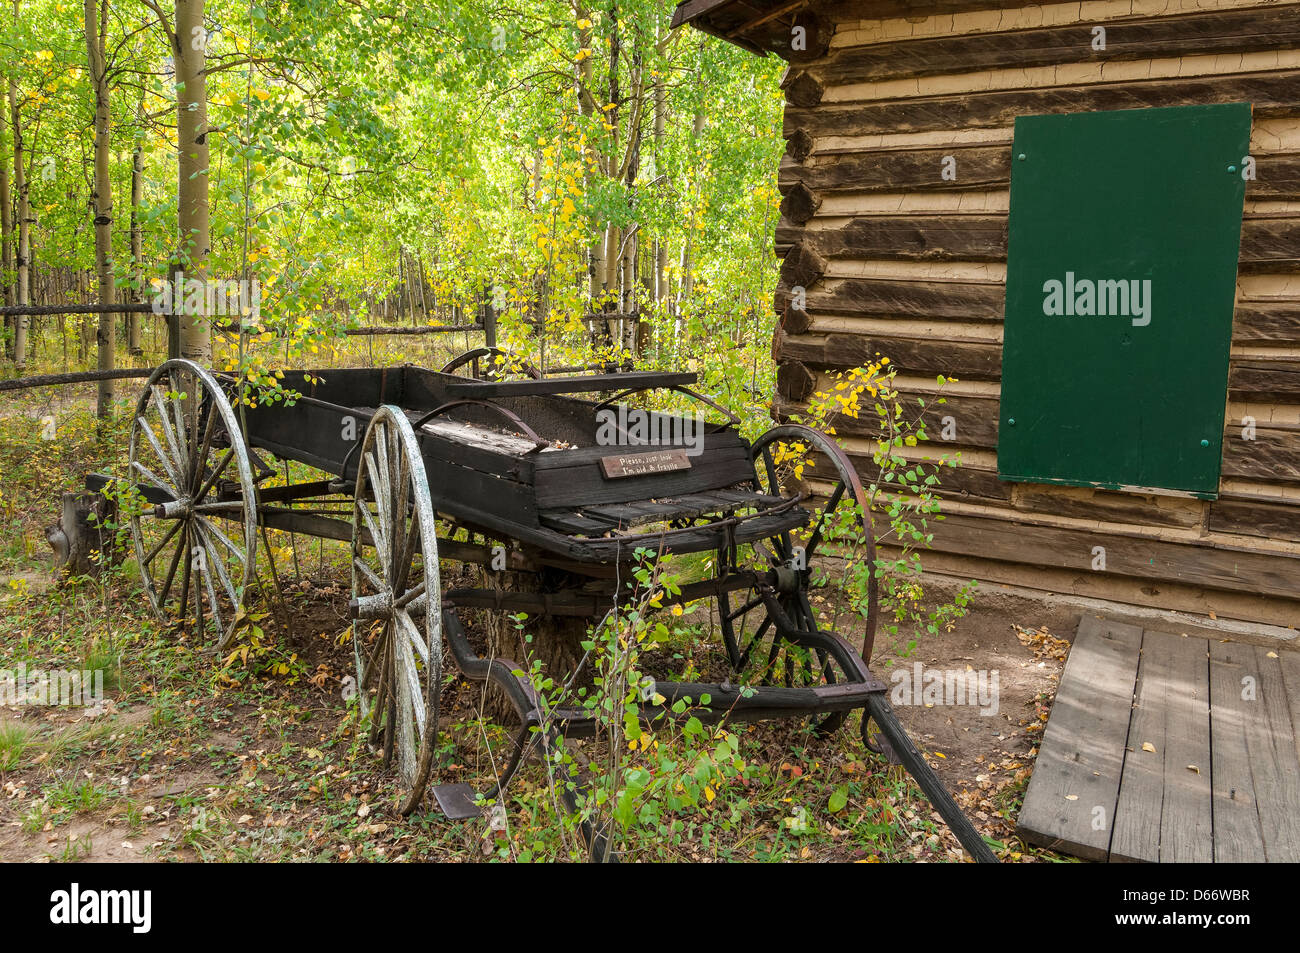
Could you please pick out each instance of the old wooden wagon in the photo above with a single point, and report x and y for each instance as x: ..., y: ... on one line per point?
x: 424, y: 469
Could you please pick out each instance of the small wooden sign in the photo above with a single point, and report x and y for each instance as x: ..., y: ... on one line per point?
x: 643, y: 464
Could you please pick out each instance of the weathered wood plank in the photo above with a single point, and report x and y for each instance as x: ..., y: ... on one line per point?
x: 1237, y: 837
x: 960, y: 483
x: 916, y: 238
x: 1271, y: 742
x: 1273, y: 95
x: 1186, y: 819
x: 1081, y: 759
x: 1289, y: 660
x: 1163, y: 812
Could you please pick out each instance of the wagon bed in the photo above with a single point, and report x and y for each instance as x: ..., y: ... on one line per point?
x: 544, y: 488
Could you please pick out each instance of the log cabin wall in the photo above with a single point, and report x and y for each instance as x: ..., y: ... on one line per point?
x: 896, y: 258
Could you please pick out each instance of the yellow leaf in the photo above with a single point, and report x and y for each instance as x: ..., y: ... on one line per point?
x: 1148, y: 746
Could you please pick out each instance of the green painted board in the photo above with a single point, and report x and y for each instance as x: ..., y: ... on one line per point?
x: 1121, y: 276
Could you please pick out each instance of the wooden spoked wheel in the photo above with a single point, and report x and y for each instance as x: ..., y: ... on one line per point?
x: 196, y: 544
x: 772, y: 636
x: 489, y: 364
x: 397, y: 602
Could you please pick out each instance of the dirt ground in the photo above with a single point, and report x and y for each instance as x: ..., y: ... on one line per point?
x: 972, y: 747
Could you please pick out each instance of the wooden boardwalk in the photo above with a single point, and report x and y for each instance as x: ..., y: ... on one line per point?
x: 1168, y: 748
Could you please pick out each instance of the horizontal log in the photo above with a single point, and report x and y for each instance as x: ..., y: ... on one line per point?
x: 397, y: 331
x: 1220, y: 31
x: 1198, y: 564
x: 902, y: 170
x: 1273, y: 456
x: 1273, y: 95
x: 1268, y: 520
x: 1110, y: 506
x: 965, y: 483
x: 1264, y: 321
x: 1268, y: 243
x: 886, y: 297
x: 916, y: 238
x: 79, y: 377
x: 975, y: 167
x: 926, y: 358
x: 972, y: 422
x: 1263, y: 380
x: 45, y: 309
x: 230, y: 327
x: 1255, y: 321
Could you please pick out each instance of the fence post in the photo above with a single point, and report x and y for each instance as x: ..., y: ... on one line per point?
x: 489, y: 324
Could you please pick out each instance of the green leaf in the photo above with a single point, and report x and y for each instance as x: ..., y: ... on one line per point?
x: 839, y: 798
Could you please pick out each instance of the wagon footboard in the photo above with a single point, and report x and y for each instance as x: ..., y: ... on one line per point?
x: 458, y: 800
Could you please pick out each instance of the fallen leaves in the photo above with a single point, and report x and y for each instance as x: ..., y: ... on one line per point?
x: 1042, y: 643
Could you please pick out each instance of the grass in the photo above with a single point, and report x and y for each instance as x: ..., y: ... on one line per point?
x: 15, y: 738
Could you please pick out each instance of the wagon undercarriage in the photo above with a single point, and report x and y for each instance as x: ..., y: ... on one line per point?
x: 424, y: 468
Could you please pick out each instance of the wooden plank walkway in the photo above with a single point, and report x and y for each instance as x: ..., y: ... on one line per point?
x: 1169, y: 748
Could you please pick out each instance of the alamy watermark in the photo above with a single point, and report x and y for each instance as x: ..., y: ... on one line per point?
x: 919, y: 686
x: 64, y: 688
x: 133, y: 908
x: 630, y: 427
x: 1129, y: 298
